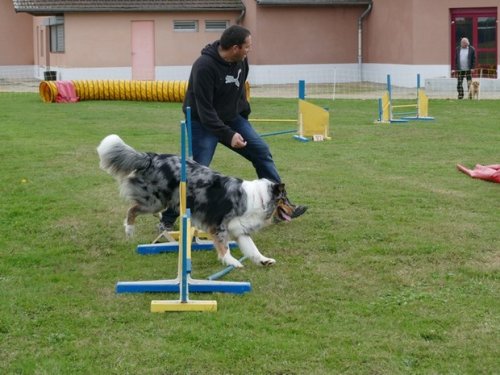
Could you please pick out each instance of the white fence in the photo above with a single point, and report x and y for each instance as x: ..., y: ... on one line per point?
x: 331, y: 81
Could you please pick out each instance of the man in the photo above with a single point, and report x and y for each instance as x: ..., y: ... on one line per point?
x: 465, y: 60
x: 220, y: 110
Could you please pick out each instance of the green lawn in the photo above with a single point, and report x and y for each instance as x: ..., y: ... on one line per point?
x: 394, y: 269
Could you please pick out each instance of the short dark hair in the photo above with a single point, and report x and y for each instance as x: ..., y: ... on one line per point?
x: 234, y: 35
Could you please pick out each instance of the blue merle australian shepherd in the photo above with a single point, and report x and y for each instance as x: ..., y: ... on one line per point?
x: 227, y: 208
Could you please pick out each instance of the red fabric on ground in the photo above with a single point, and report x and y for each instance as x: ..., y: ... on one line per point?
x: 483, y: 172
x: 66, y: 92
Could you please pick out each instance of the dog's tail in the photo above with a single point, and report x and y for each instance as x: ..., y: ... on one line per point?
x: 118, y: 158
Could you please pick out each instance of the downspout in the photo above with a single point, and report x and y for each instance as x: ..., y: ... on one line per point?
x: 47, y: 47
x: 360, y: 39
x: 242, y: 14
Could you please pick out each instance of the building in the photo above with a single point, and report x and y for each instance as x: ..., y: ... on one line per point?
x: 16, y: 41
x: 316, y: 40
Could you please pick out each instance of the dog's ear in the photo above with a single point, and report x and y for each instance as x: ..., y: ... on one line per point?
x: 279, y: 191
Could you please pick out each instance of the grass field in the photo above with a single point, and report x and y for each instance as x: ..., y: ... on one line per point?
x: 394, y: 269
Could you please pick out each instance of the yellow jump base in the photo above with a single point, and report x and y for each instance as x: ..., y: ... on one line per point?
x: 176, y: 305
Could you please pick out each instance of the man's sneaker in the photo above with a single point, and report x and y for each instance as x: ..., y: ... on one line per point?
x: 298, y: 211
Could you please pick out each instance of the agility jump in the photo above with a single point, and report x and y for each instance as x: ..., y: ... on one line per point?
x: 183, y: 283
x: 202, y: 240
x: 312, y: 121
x: 391, y: 113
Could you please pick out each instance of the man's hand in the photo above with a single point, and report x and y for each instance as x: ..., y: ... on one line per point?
x: 237, y: 141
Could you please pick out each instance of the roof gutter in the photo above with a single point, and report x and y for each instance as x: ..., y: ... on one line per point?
x: 312, y: 3
x: 45, y: 11
x: 360, y: 39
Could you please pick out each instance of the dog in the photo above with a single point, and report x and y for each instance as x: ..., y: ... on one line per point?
x: 225, y: 207
x: 474, y: 90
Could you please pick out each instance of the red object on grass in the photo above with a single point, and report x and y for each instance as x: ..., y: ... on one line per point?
x: 482, y: 172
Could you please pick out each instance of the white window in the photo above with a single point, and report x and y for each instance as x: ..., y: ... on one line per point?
x: 186, y: 26
x: 214, y: 25
x: 57, y: 38
x: 56, y: 30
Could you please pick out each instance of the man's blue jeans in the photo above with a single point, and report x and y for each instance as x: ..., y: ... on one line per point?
x: 256, y: 151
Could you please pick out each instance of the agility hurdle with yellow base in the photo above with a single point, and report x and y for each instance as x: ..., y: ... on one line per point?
x: 184, y: 259
x: 184, y: 303
x: 312, y: 122
x: 183, y: 283
x: 389, y: 113
x: 168, y: 241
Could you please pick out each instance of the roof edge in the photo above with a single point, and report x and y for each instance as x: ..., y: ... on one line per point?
x: 52, y: 11
x: 313, y: 2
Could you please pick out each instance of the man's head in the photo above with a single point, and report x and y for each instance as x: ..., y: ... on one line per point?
x: 464, y: 43
x: 236, y: 42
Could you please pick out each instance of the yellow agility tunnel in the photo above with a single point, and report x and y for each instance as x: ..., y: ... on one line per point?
x: 157, y: 91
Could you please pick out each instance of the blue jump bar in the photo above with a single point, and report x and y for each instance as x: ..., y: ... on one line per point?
x: 171, y: 247
x: 173, y: 286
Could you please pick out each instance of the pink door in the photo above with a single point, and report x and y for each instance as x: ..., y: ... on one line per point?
x: 143, y: 50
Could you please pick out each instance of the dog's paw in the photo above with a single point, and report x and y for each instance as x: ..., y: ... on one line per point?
x: 229, y: 260
x: 263, y: 261
x: 129, y: 230
x: 268, y: 262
